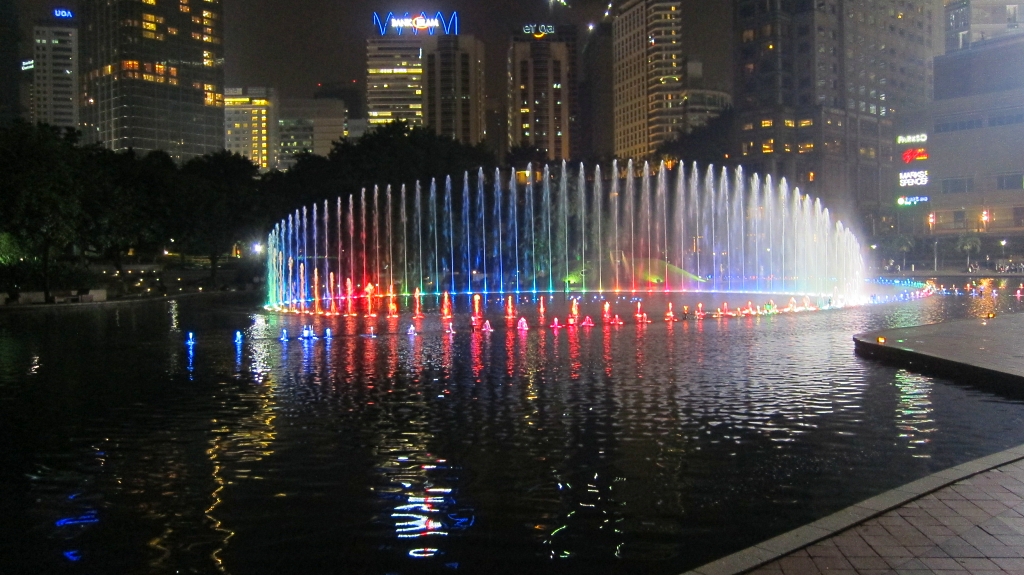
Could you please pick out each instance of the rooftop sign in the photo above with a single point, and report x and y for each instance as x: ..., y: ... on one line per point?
x: 912, y: 139
x: 63, y: 13
x: 417, y: 23
x: 538, y: 30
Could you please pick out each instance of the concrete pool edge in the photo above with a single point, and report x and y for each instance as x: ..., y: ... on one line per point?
x: 782, y: 545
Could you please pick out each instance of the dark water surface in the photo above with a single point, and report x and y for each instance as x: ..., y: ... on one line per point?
x: 610, y: 450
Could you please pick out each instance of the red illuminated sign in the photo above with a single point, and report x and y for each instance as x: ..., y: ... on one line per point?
x: 914, y: 154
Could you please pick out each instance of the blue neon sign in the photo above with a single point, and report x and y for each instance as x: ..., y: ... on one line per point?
x: 63, y: 13
x: 417, y: 23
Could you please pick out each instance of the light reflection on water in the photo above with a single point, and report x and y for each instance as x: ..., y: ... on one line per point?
x: 647, y: 447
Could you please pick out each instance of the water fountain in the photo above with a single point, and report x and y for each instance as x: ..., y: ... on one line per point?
x: 656, y: 230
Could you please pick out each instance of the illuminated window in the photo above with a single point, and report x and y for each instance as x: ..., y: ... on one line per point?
x: 172, y: 31
x: 148, y: 18
x: 768, y: 146
x: 805, y: 147
x: 810, y: 176
x: 748, y: 126
x: 789, y: 123
x: 151, y: 2
x: 806, y: 123
x: 183, y: 8
x: 766, y: 123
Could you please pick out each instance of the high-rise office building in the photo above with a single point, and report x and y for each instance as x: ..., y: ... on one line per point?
x: 656, y: 77
x: 817, y: 89
x: 309, y: 126
x: 55, y: 95
x: 539, y: 106
x: 595, y: 135
x: 453, y: 87
x: 250, y: 125
x: 394, y: 80
x: 969, y: 21
x: 394, y: 65
x: 10, y: 99
x: 152, y: 75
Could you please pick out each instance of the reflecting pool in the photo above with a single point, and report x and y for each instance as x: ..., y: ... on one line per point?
x: 642, y: 447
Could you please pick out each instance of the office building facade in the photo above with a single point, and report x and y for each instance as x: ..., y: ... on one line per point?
x: 539, y: 105
x: 453, y: 87
x: 595, y: 136
x: 394, y: 80
x: 655, y: 76
x: 10, y: 93
x: 55, y: 88
x: 818, y: 87
x: 969, y: 21
x: 963, y: 154
x: 152, y: 75
x: 309, y: 126
x: 250, y: 125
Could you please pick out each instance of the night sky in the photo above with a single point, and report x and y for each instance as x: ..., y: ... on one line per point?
x: 292, y: 45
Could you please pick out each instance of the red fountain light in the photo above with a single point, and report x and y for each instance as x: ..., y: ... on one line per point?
x: 670, y: 315
x: 392, y: 302
x: 370, y: 310
x: 510, y: 309
x: 446, y: 306
x: 417, y: 312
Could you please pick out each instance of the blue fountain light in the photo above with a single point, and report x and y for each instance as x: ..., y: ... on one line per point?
x: 284, y: 335
x: 238, y: 337
x: 191, y: 339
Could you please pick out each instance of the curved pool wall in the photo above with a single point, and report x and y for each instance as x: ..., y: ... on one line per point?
x: 554, y: 230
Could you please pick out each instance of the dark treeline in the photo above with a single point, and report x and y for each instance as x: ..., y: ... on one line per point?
x: 64, y: 205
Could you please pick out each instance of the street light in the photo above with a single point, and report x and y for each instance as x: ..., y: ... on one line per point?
x: 1002, y: 244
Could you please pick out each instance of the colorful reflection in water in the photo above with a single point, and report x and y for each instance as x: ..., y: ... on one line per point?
x: 643, y: 447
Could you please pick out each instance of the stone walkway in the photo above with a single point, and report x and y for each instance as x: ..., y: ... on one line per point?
x: 975, y: 526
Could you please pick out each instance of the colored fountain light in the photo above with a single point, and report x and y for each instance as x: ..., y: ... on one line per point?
x: 630, y: 229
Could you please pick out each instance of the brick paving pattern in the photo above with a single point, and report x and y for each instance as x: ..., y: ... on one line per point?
x: 975, y: 526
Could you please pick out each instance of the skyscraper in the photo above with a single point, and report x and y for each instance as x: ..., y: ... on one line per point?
x: 152, y: 75
x: 250, y: 125
x: 657, y: 76
x: 394, y: 65
x: 10, y: 101
x: 453, y: 87
x: 595, y: 137
x: 55, y: 95
x: 818, y: 86
x: 969, y: 21
x: 539, y: 105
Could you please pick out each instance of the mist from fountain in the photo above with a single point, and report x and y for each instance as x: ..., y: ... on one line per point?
x: 663, y: 230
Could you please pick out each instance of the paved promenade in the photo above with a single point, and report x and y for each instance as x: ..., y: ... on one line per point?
x: 968, y: 519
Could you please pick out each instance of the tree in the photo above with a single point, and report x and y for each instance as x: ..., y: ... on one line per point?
x: 217, y: 204
x: 902, y: 244
x: 711, y: 143
x: 967, y: 244
x: 42, y: 193
x: 518, y: 157
x: 125, y: 200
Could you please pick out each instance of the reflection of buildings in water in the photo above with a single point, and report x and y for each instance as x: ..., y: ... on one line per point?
x: 416, y: 489
x: 236, y: 445
x: 914, y: 412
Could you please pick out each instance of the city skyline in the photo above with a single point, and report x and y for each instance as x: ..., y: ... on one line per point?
x: 320, y: 42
